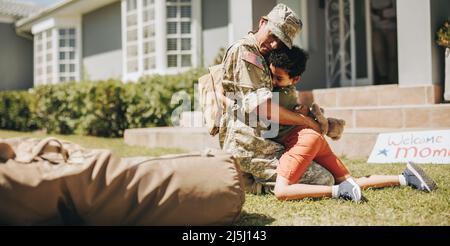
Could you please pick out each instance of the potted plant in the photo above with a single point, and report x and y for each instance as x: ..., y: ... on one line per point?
x: 443, y: 39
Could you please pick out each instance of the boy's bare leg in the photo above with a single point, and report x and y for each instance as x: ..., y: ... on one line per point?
x: 285, y: 191
x: 378, y: 181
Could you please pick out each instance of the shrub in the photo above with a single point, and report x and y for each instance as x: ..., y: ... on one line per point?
x: 16, y: 111
x: 104, y: 108
x: 150, y: 100
x: 104, y: 112
x: 60, y: 107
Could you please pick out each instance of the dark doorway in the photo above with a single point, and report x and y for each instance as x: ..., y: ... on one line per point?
x: 384, y: 41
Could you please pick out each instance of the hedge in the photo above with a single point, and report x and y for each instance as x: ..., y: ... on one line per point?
x: 16, y: 111
x: 102, y: 108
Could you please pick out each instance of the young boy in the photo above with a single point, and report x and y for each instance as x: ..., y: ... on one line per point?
x: 305, y: 145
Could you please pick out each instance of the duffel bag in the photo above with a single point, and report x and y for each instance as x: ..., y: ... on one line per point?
x: 53, y: 182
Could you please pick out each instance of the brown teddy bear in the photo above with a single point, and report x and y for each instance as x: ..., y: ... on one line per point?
x: 333, y: 128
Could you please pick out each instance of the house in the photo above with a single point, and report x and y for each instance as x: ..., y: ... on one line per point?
x: 16, y: 51
x: 81, y: 39
x: 369, y: 58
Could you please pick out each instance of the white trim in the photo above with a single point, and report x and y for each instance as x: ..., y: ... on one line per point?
x: 131, y: 76
x: 35, y: 80
x: 55, y: 48
x: 124, y: 41
x: 140, y: 39
x: 369, y: 44
x: 197, y: 33
x: 43, y: 78
x: 43, y: 25
x: 79, y: 49
x: 160, y: 37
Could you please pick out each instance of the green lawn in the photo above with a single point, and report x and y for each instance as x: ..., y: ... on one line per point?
x: 392, y: 206
x: 117, y: 145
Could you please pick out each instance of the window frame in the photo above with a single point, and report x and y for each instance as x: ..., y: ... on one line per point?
x: 67, y: 49
x: 45, y: 77
x: 54, y: 25
x: 160, y: 40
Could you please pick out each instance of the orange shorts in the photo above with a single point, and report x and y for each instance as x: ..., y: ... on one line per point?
x: 303, y: 146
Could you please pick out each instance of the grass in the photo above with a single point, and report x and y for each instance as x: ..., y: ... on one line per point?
x: 401, y: 206
x: 117, y: 145
x: 386, y: 207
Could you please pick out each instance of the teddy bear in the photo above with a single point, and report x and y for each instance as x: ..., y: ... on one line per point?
x: 332, y: 127
x: 335, y: 128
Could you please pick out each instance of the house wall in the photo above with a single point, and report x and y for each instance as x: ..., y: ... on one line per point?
x: 312, y: 37
x: 420, y: 60
x: 440, y: 11
x: 16, y: 59
x: 215, y: 18
x: 261, y: 8
x: 315, y: 74
x: 102, y: 43
x: 240, y: 19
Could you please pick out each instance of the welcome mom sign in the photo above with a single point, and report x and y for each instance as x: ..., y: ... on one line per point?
x: 431, y: 147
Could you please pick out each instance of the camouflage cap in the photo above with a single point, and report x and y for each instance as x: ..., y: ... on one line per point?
x: 284, y: 24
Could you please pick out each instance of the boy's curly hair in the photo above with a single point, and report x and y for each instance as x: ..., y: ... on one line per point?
x: 293, y: 60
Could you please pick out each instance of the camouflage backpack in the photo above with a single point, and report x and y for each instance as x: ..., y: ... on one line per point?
x: 212, y: 98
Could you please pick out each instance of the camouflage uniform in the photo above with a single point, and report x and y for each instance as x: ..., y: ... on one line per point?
x: 247, y: 81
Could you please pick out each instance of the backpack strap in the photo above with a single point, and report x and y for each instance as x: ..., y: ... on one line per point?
x: 41, y: 148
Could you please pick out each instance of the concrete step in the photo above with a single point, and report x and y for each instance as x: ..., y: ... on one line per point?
x: 191, y: 139
x: 398, y: 117
x: 381, y: 95
x: 355, y: 143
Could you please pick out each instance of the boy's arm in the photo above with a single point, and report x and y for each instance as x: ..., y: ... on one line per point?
x: 286, y: 117
x: 303, y: 110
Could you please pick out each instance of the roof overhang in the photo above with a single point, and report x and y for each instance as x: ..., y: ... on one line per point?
x: 63, y: 9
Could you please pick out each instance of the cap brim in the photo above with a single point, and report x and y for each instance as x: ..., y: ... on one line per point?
x: 280, y: 34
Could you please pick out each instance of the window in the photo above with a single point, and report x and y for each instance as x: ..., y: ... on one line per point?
x: 148, y: 13
x: 179, y: 36
x: 154, y: 42
x: 132, y: 36
x: 56, y: 58
x: 43, y: 65
x: 68, y: 61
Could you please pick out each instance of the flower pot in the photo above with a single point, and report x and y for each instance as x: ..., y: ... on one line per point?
x: 447, y: 75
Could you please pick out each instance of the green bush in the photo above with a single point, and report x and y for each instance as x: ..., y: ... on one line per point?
x: 104, y: 108
x: 60, y: 107
x: 150, y: 100
x: 104, y: 112
x: 16, y: 111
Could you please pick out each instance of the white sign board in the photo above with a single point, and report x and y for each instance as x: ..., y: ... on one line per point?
x: 431, y: 147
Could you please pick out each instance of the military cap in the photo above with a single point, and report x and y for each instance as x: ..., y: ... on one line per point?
x: 284, y: 24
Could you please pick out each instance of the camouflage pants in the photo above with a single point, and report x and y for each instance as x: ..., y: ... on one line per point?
x: 258, y: 158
